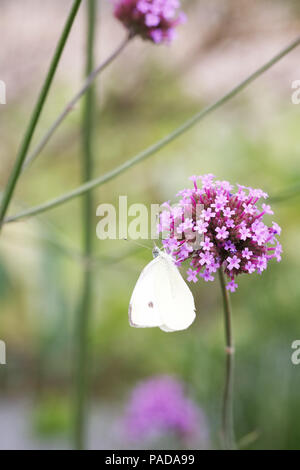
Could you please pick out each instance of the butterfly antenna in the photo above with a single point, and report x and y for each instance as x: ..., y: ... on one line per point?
x: 137, y: 243
x: 157, y: 247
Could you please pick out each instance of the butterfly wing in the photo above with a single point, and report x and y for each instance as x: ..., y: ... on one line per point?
x: 161, y: 297
x: 143, y: 307
x: 173, y: 296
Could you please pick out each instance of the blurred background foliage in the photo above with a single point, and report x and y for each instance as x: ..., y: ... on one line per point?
x: 253, y: 140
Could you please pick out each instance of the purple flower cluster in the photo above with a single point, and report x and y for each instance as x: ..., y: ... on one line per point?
x: 159, y: 406
x: 234, y: 236
x: 154, y: 20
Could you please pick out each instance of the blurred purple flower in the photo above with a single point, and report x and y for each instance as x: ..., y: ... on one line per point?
x: 159, y: 406
x: 154, y: 20
x: 235, y: 237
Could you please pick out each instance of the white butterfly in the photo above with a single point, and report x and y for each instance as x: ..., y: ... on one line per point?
x: 161, y: 297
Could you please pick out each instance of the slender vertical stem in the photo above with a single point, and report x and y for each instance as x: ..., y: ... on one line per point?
x: 15, y: 173
x: 227, y: 411
x: 82, y: 327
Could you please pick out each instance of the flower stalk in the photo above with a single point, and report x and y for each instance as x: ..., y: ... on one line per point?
x: 84, y: 310
x: 233, y: 240
x: 227, y: 407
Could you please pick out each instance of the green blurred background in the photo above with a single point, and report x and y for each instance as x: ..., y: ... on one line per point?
x: 148, y: 91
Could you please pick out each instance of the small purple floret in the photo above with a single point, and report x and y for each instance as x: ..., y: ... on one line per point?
x: 158, y: 406
x: 154, y: 20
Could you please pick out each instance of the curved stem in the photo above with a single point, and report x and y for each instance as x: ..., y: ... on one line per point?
x: 227, y: 410
x: 70, y: 106
x: 15, y: 173
x: 82, y: 327
x: 84, y: 188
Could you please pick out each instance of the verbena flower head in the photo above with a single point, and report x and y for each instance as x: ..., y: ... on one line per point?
x: 154, y: 20
x: 233, y: 234
x: 158, y: 406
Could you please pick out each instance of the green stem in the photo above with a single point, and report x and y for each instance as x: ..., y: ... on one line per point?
x: 15, y: 173
x: 289, y: 193
x: 153, y: 148
x: 70, y: 106
x: 82, y: 329
x: 227, y: 410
